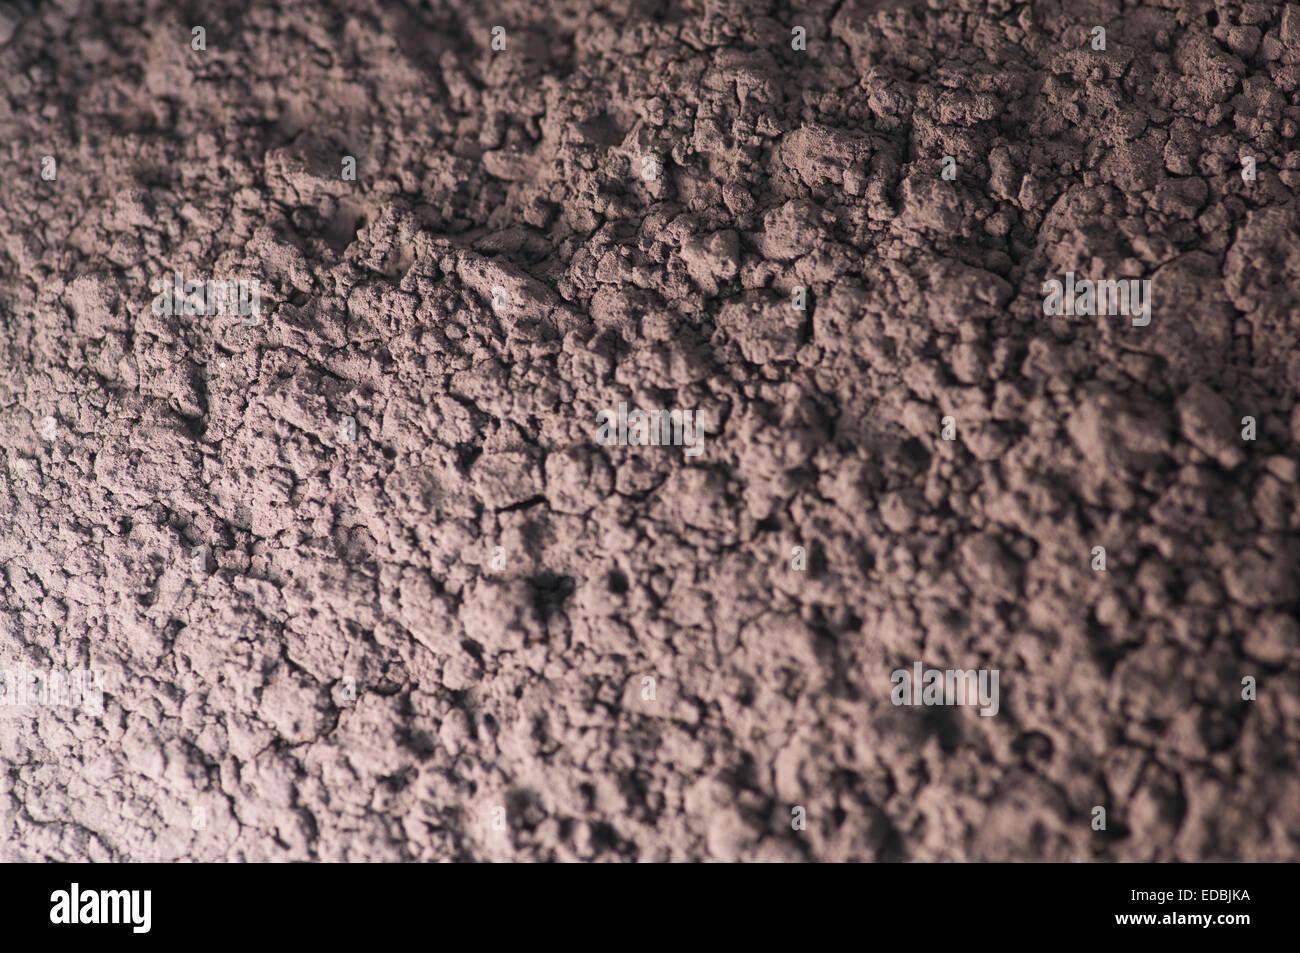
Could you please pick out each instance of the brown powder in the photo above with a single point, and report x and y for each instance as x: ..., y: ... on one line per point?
x: 435, y: 618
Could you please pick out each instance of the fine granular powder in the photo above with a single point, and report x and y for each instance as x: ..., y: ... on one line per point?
x: 311, y: 318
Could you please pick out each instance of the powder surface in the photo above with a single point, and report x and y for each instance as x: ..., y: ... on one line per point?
x: 363, y: 582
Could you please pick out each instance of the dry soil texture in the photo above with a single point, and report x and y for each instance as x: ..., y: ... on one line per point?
x: 642, y: 187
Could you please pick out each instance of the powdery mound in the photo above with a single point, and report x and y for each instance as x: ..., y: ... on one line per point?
x: 497, y: 584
